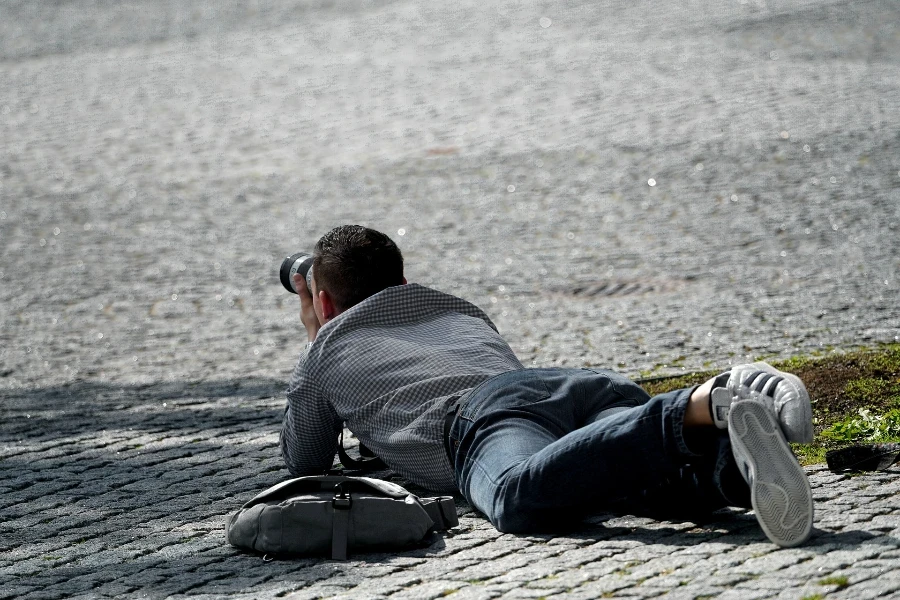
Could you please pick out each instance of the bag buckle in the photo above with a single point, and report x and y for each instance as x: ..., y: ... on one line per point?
x: 341, y: 498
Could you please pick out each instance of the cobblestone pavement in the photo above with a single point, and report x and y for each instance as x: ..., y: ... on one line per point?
x: 616, y: 184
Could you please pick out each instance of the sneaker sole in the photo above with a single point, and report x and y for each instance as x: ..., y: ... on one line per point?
x: 779, y: 492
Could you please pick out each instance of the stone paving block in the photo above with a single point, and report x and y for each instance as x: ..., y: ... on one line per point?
x: 588, y: 555
x: 867, y: 590
x: 428, y: 590
x: 692, y: 592
x: 605, y: 585
x: 694, y: 573
x: 772, y: 561
x: 446, y: 567
x: 184, y: 582
x: 816, y: 567
x: 525, y: 593
x: 228, y: 584
x: 44, y: 595
x: 807, y: 590
x: 663, y: 564
x: 772, y: 581
x: 327, y: 590
x: 15, y: 591
x: 543, y: 573
x: 725, y: 579
x: 380, y: 585
x: 852, y: 556
x: 563, y: 579
x: 496, y: 567
x: 744, y: 593
x: 469, y: 592
x: 336, y: 593
x: 708, y: 548
x: 885, y: 522
x: 594, y: 571
x: 479, y: 550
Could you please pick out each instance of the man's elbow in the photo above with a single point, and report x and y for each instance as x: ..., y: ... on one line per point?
x: 301, y: 466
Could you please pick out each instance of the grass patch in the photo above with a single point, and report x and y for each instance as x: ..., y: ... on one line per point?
x: 855, y: 396
x: 866, y: 426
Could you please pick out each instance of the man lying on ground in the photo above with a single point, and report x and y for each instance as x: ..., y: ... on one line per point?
x: 424, y: 380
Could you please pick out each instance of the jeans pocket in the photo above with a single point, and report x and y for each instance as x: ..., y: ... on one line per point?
x: 630, y: 393
x: 516, y: 388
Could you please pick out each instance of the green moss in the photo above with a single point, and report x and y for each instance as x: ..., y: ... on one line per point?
x: 864, y: 389
x: 810, y: 454
x: 886, y: 361
x: 855, y: 395
x: 839, y: 580
x: 796, y: 363
x: 660, y: 385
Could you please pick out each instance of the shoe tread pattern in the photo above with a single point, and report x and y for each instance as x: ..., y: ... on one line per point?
x: 780, y: 492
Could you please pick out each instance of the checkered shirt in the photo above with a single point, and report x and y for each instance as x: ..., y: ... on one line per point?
x: 390, y: 367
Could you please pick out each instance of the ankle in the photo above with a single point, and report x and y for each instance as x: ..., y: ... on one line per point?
x: 697, y: 413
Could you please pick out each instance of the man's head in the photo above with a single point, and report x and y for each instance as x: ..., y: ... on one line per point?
x: 352, y: 262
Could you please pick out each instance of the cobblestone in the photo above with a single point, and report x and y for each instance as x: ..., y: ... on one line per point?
x: 156, y: 164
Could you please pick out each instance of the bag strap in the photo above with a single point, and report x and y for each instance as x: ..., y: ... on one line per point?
x: 441, y: 510
x: 340, y: 524
x: 363, y: 464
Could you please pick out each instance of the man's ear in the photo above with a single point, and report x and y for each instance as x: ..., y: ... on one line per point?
x: 404, y: 281
x: 329, y: 310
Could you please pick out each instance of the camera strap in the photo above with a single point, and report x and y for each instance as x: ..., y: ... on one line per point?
x: 364, y: 463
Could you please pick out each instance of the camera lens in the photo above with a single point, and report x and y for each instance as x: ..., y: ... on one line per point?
x: 296, y: 263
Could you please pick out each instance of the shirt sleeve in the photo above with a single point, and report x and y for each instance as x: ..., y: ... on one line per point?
x: 311, y: 426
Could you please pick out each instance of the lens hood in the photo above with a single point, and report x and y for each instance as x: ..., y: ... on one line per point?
x: 301, y: 263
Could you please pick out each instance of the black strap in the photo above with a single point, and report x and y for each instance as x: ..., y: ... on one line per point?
x: 362, y: 464
x: 340, y: 524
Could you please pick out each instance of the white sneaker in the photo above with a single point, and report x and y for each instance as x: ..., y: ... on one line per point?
x: 779, y: 489
x: 782, y: 393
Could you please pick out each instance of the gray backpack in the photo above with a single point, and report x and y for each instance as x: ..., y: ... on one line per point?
x: 334, y: 513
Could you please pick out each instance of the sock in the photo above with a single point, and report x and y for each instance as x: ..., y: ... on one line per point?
x: 720, y: 401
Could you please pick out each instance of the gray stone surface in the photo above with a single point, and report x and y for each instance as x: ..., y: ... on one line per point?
x: 159, y: 158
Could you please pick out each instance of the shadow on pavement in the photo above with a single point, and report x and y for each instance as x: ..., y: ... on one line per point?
x: 89, y: 406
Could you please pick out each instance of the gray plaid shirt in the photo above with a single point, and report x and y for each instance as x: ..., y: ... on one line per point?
x: 390, y: 367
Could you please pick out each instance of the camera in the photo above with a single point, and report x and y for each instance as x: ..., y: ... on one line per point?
x: 296, y: 263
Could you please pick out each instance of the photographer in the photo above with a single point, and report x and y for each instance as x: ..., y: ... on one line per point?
x: 424, y: 380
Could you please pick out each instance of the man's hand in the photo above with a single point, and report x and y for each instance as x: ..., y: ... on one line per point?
x: 307, y: 309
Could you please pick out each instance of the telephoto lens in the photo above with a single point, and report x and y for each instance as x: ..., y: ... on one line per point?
x: 296, y: 263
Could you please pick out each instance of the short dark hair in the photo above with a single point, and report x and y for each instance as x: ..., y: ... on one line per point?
x: 352, y: 262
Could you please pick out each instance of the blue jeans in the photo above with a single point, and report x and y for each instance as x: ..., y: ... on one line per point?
x: 535, y: 448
